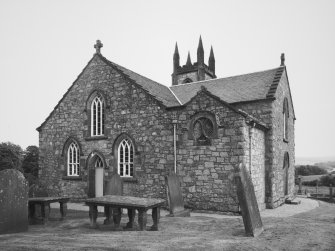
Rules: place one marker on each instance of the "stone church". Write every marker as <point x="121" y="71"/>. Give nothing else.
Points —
<point x="112" y="119"/>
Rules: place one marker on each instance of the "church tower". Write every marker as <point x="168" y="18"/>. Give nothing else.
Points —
<point x="197" y="71"/>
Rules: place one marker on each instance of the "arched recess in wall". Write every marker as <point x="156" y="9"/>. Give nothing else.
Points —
<point x="96" y="165"/>
<point x="124" y="152"/>
<point x="187" y="80"/>
<point x="203" y="128"/>
<point x="286" y="166"/>
<point x="286" y="115"/>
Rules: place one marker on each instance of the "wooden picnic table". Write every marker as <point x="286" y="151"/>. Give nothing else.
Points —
<point x="45" y="202"/>
<point x="113" y="205"/>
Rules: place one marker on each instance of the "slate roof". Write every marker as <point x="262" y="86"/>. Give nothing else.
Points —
<point x="161" y="92"/>
<point x="242" y="88"/>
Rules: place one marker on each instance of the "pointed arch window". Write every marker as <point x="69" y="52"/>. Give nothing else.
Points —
<point x="126" y="158"/>
<point x="73" y="160"/>
<point x="286" y="167"/>
<point x="285" y="119"/>
<point x="97" y="116"/>
<point x="99" y="163"/>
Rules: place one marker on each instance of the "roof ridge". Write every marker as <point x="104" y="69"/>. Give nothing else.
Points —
<point x="175" y="96"/>
<point x="147" y="84"/>
<point x="213" y="79"/>
<point x="275" y="82"/>
<point x="117" y="65"/>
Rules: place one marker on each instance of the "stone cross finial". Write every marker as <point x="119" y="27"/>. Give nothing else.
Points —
<point x="282" y="59"/>
<point x="98" y="46"/>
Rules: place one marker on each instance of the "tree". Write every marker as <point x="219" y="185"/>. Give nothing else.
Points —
<point x="309" y="170"/>
<point x="10" y="156"/>
<point x="30" y="161"/>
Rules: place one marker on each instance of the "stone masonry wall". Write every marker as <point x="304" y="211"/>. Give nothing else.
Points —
<point x="256" y="163"/>
<point x="280" y="146"/>
<point x="262" y="110"/>
<point x="207" y="171"/>
<point x="271" y="112"/>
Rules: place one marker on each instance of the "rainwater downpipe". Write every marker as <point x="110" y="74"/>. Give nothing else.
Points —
<point x="175" y="147"/>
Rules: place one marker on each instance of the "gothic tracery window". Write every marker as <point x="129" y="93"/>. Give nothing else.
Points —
<point x="73" y="160"/>
<point x="126" y="158"/>
<point x="97" y="116"/>
<point x="99" y="163"/>
<point x="203" y="131"/>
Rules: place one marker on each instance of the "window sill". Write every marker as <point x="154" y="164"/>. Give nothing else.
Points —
<point x="96" y="138"/>
<point x="129" y="179"/>
<point x="72" y="178"/>
<point x="285" y="140"/>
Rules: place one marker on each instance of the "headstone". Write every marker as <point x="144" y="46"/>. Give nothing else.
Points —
<point x="248" y="203"/>
<point x="13" y="202"/>
<point x="114" y="185"/>
<point x="175" y="197"/>
<point x="300" y="184"/>
<point x="331" y="198"/>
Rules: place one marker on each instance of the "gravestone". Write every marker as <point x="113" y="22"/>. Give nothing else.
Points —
<point x="13" y="202"/>
<point x="331" y="198"/>
<point x="114" y="186"/>
<point x="246" y="195"/>
<point x="175" y="197"/>
<point x="300" y="184"/>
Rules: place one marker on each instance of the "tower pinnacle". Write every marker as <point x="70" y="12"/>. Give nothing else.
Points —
<point x="211" y="61"/>
<point x="200" y="52"/>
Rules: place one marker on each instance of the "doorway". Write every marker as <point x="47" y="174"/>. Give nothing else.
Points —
<point x="96" y="176"/>
<point x="285" y="172"/>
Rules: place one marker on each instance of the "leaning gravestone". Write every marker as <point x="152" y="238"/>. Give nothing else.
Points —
<point x="13" y="202"/>
<point x="246" y="195"/>
<point x="175" y="197"/>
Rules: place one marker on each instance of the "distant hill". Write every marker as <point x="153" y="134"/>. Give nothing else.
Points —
<point x="329" y="166"/>
<point x="313" y="160"/>
<point x="327" y="163"/>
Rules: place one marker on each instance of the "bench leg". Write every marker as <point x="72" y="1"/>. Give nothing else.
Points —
<point x="142" y="219"/>
<point x="31" y="210"/>
<point x="45" y="211"/>
<point x="108" y="211"/>
<point x="131" y="216"/>
<point x="117" y="214"/>
<point x="93" y="213"/>
<point x="155" y="218"/>
<point x="63" y="209"/>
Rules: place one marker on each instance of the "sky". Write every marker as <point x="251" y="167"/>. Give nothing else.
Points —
<point x="45" y="44"/>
